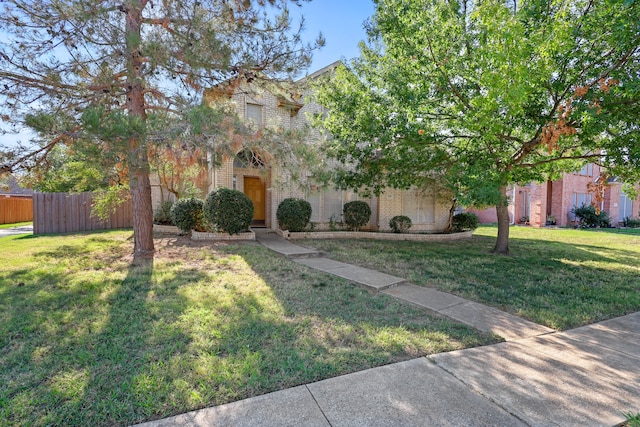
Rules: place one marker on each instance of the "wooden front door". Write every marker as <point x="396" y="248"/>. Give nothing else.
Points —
<point x="254" y="188"/>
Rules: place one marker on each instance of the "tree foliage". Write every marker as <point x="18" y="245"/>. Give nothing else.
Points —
<point x="124" y="75"/>
<point x="487" y="94"/>
<point x="67" y="171"/>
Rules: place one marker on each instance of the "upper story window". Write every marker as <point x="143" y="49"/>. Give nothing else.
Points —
<point x="587" y="170"/>
<point x="254" y="114"/>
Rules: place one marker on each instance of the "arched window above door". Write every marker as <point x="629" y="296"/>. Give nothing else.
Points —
<point x="248" y="159"/>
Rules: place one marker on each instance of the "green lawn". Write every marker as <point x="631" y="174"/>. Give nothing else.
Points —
<point x="88" y="339"/>
<point x="561" y="278"/>
<point x="16" y="224"/>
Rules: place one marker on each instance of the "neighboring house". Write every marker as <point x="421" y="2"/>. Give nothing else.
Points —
<point x="11" y="186"/>
<point x="535" y="203"/>
<point x="251" y="172"/>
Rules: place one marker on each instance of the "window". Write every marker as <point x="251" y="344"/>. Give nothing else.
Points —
<point x="580" y="199"/>
<point x="254" y="114"/>
<point x="587" y="170"/>
<point x="314" y="198"/>
<point x="325" y="204"/>
<point x="625" y="207"/>
<point x="247" y="159"/>
<point x="526" y="205"/>
<point x="419" y="207"/>
<point x="332" y="205"/>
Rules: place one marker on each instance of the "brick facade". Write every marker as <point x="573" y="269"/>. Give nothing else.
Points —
<point x="427" y="215"/>
<point x="539" y="201"/>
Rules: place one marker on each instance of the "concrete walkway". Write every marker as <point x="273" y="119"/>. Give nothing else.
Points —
<point x="486" y="319"/>
<point x="589" y="376"/>
<point x="25" y="229"/>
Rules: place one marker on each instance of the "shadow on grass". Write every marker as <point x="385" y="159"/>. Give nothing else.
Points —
<point x="100" y="340"/>
<point x="80" y="352"/>
<point x="558" y="280"/>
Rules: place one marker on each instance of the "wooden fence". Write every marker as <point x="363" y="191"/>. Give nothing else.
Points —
<point x="66" y="213"/>
<point x="15" y="208"/>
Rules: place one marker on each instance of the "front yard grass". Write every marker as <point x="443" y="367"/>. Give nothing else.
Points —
<point x="86" y="338"/>
<point x="560" y="278"/>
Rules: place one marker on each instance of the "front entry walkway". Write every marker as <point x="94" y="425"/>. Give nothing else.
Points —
<point x="486" y="319"/>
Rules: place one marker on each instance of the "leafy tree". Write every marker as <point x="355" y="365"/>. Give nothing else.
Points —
<point x="488" y="93"/>
<point x="122" y="74"/>
<point x="65" y="171"/>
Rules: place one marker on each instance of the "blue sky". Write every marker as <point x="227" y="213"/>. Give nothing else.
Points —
<point x="339" y="21"/>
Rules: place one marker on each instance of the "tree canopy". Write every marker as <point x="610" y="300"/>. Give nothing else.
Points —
<point x="487" y="93"/>
<point x="122" y="74"/>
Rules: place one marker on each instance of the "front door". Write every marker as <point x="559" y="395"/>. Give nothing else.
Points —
<point x="254" y="188"/>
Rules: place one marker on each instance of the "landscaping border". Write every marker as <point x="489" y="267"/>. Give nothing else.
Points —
<point x="374" y="235"/>
<point x="249" y="235"/>
<point x="172" y="229"/>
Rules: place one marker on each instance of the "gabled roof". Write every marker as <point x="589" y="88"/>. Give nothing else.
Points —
<point x="328" y="69"/>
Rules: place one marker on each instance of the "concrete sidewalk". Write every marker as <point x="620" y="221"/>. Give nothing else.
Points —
<point x="25" y="229"/>
<point x="588" y="376"/>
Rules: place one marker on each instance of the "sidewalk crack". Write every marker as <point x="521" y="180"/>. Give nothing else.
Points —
<point x="318" y="405"/>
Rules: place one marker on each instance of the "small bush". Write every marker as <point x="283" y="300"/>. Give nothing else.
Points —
<point x="587" y="217"/>
<point x="293" y="214"/>
<point x="228" y="210"/>
<point x="163" y="216"/>
<point x="356" y="214"/>
<point x="187" y="214"/>
<point x="630" y="222"/>
<point x="400" y="223"/>
<point x="465" y="221"/>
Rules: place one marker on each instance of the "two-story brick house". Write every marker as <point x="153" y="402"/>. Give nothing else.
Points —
<point x="535" y="203"/>
<point x="252" y="172"/>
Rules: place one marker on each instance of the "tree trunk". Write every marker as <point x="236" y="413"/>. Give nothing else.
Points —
<point x="502" y="242"/>
<point x="452" y="212"/>
<point x="140" y="188"/>
<point x="139" y="183"/>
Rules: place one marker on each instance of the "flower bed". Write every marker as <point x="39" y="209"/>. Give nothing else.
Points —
<point x="374" y="235"/>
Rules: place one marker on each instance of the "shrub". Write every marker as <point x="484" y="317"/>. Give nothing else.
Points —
<point x="187" y="214"/>
<point x="586" y="215"/>
<point x="293" y="214"/>
<point x="400" y="223"/>
<point x="163" y="216"/>
<point x="465" y="221"/>
<point x="630" y="222"/>
<point x="228" y="210"/>
<point x="356" y="214"/>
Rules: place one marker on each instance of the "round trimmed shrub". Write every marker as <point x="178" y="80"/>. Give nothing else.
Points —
<point x="228" y="210"/>
<point x="400" y="223"/>
<point x="465" y="221"/>
<point x="187" y="214"/>
<point x="293" y="214"/>
<point x="356" y="214"/>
